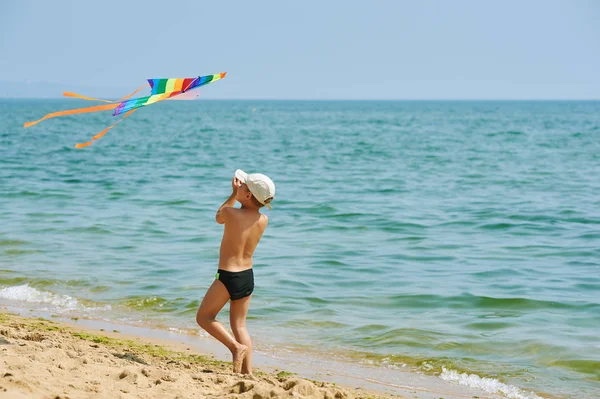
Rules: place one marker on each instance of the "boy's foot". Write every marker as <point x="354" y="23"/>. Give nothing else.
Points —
<point x="238" y="358"/>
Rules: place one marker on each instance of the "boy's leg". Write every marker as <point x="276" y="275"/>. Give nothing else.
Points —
<point x="237" y="318"/>
<point x="216" y="297"/>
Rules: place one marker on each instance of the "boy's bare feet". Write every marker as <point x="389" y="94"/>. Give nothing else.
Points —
<point x="238" y="358"/>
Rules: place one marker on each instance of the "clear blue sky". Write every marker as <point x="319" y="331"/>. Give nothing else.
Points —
<point x="459" y="49"/>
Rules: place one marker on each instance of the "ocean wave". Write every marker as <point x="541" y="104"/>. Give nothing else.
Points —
<point x="57" y="303"/>
<point x="490" y="385"/>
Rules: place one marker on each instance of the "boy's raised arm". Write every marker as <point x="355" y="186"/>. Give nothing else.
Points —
<point x="224" y="210"/>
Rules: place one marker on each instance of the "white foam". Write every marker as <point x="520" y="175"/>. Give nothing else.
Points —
<point x="490" y="385"/>
<point x="59" y="303"/>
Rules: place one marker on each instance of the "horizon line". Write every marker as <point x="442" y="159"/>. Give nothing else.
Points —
<point x="344" y="99"/>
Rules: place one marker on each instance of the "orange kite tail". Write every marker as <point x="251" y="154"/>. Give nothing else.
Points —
<point x="73" y="112"/>
<point x="102" y="133"/>
<point x="75" y="95"/>
<point x="111" y="105"/>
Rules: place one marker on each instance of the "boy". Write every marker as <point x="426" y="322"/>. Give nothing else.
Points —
<point x="235" y="279"/>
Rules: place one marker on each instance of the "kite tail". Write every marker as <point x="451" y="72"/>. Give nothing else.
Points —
<point x="75" y="95"/>
<point x="96" y="108"/>
<point x="73" y="112"/>
<point x="102" y="133"/>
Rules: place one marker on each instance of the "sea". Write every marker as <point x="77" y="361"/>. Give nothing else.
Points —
<point x="456" y="239"/>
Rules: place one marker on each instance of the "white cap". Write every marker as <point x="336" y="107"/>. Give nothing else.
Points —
<point x="259" y="185"/>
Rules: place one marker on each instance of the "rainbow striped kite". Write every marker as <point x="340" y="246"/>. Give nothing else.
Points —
<point x="162" y="89"/>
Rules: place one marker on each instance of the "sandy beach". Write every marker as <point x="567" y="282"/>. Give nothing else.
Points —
<point x="47" y="359"/>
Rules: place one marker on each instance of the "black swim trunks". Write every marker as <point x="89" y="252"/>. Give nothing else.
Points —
<point x="238" y="284"/>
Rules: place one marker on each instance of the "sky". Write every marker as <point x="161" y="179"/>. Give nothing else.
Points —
<point x="396" y="49"/>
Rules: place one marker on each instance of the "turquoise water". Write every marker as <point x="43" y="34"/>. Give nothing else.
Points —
<point x="424" y="235"/>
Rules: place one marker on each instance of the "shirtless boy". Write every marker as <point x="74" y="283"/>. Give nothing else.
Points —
<point x="235" y="279"/>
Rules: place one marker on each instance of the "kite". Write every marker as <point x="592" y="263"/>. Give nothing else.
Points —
<point x="162" y="89"/>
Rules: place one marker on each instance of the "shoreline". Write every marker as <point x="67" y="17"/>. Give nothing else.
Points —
<point x="319" y="378"/>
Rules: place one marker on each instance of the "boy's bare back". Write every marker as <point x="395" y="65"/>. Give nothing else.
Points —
<point x="243" y="230"/>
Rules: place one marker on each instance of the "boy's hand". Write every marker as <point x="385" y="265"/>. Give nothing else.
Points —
<point x="235" y="184"/>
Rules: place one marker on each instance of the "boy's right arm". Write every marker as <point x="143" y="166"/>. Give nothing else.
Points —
<point x="225" y="209"/>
